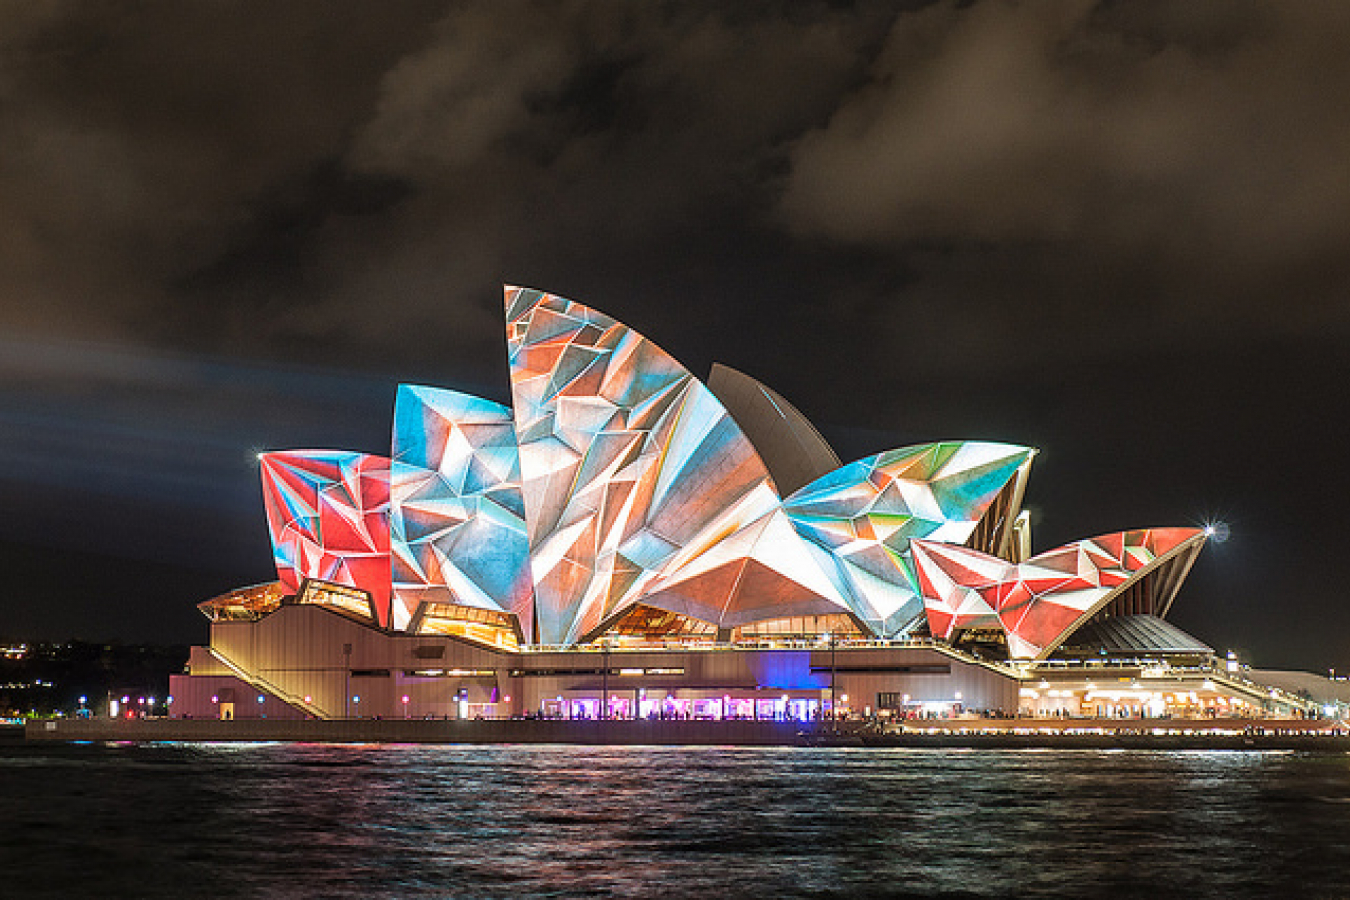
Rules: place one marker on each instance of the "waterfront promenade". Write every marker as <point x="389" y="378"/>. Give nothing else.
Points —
<point x="1235" y="734"/>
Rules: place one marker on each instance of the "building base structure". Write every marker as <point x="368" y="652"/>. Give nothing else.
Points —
<point x="307" y="661"/>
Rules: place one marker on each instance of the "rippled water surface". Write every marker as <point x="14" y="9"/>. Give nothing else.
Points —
<point x="286" y="820"/>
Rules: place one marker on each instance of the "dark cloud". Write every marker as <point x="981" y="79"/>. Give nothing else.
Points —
<point x="1112" y="230"/>
<point x="1117" y="172"/>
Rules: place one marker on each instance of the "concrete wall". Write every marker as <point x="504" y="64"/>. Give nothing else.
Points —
<point x="225" y="697"/>
<point x="309" y="651"/>
<point x="310" y="660"/>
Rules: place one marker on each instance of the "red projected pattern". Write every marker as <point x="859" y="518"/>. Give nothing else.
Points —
<point x="328" y="512"/>
<point x="1040" y="602"/>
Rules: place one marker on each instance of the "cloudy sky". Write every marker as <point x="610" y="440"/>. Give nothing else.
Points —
<point x="1118" y="232"/>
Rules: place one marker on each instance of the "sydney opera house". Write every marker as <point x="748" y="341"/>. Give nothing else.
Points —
<point x="627" y="541"/>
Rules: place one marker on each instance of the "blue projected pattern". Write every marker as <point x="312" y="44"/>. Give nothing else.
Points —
<point x="457" y="520"/>
<point x="859" y="519"/>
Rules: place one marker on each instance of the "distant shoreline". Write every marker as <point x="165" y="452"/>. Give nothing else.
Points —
<point x="955" y="735"/>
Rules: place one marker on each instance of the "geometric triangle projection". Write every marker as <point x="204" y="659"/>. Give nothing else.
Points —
<point x="457" y="519"/>
<point x="761" y="571"/>
<point x="865" y="514"/>
<point x="1040" y="602"/>
<point x="617" y="480"/>
<point x="625" y="458"/>
<point x="328" y="515"/>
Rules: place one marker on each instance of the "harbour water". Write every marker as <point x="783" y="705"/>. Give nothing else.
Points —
<point x="376" y="821"/>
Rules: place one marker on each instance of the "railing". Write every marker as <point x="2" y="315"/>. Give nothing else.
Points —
<point x="942" y="647"/>
<point x="1235" y="682"/>
<point x="263" y="684"/>
<point x="765" y="644"/>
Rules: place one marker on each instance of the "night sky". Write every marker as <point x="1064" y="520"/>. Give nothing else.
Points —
<point x="1117" y="232"/>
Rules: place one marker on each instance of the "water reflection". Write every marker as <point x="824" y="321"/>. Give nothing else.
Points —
<point x="279" y="820"/>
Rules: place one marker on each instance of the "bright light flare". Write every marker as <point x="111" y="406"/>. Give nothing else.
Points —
<point x="1217" y="531"/>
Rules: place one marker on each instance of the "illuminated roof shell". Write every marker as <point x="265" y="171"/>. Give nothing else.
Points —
<point x="1038" y="603"/>
<point x="860" y="519"/>
<point x="457" y="518"/>
<point x="328" y="514"/>
<point x="625" y="460"/>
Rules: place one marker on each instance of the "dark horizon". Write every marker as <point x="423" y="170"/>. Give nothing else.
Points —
<point x="1113" y="232"/>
